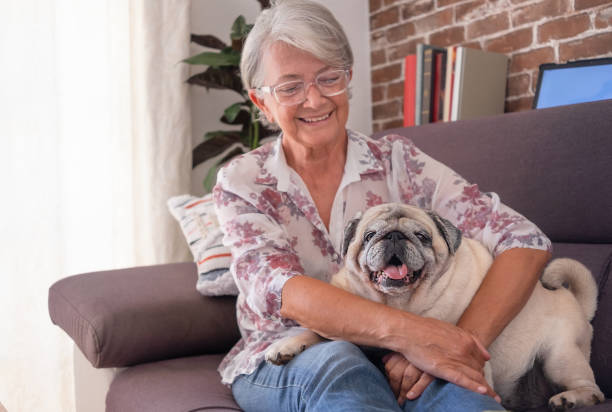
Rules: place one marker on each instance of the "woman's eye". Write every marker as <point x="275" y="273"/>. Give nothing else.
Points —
<point x="368" y="236"/>
<point x="329" y="79"/>
<point x="288" y="89"/>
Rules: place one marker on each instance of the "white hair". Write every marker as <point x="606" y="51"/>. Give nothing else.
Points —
<point x="303" y="24"/>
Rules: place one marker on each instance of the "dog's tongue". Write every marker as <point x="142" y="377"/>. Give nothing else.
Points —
<point x="396" y="272"/>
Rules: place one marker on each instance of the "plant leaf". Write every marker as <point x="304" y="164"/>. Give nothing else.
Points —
<point x="231" y="112"/>
<point x="214" y="59"/>
<point x="218" y="78"/>
<point x="264" y="4"/>
<point x="240" y="28"/>
<point x="243" y="117"/>
<point x="216" y="143"/>
<point x="208" y="40"/>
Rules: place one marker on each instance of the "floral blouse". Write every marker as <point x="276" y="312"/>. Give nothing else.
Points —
<point x="272" y="226"/>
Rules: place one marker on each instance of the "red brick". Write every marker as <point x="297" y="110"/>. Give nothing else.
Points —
<point x="443" y="3"/>
<point x="473" y="45"/>
<point x="469" y="11"/>
<point x="587" y="4"/>
<point x="376" y="127"/>
<point x="597" y="45"/>
<point x="519" y="85"/>
<point x="531" y="59"/>
<point x="563" y="28"/>
<point x="447" y="37"/>
<point x="519" y="105"/>
<point x="393" y="124"/>
<point x="375" y="5"/>
<point x="603" y="18"/>
<point x="534" y="12"/>
<point x="386" y="73"/>
<point x="416" y="8"/>
<point x="384" y="18"/>
<point x="378" y="57"/>
<point x="395" y="90"/>
<point x="386" y="110"/>
<point x="434" y="21"/>
<point x="378" y="93"/>
<point x="390" y="2"/>
<point x="378" y="40"/>
<point x="510" y="42"/>
<point x="488" y="25"/>
<point x="400" y="33"/>
<point x="402" y="50"/>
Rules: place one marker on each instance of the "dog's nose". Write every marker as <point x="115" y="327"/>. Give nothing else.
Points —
<point x="395" y="236"/>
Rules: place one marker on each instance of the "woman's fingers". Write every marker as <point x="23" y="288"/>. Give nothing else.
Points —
<point x="468" y="378"/>
<point x="412" y="375"/>
<point x="419" y="386"/>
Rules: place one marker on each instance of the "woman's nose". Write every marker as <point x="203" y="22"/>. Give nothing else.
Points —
<point x="313" y="95"/>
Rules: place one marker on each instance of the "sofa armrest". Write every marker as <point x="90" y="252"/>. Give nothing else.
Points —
<point x="143" y="314"/>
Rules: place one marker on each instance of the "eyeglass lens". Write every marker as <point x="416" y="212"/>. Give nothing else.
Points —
<point x="328" y="83"/>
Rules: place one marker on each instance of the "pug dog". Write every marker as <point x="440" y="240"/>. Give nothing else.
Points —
<point x="417" y="261"/>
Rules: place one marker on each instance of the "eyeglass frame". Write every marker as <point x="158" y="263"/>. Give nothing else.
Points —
<point x="271" y="89"/>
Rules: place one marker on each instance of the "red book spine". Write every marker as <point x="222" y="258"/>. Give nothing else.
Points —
<point x="409" y="89"/>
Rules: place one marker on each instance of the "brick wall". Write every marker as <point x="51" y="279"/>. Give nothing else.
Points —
<point x="530" y="32"/>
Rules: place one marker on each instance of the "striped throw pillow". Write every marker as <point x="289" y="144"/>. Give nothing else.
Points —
<point x="198" y="221"/>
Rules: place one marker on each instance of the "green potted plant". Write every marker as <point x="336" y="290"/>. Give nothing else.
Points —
<point x="223" y="72"/>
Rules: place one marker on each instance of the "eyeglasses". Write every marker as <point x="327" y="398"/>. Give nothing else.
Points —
<point x="329" y="83"/>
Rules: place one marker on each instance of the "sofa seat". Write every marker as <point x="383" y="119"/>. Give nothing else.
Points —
<point x="183" y="384"/>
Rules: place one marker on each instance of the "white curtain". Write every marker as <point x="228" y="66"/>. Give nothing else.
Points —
<point x="94" y="137"/>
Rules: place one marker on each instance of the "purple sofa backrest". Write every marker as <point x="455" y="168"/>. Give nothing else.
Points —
<point x="555" y="167"/>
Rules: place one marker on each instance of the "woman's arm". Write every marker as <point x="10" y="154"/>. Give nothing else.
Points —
<point x="439" y="348"/>
<point x="503" y="293"/>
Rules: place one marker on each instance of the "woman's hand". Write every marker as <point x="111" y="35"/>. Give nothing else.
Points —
<point x="448" y="352"/>
<point x="406" y="381"/>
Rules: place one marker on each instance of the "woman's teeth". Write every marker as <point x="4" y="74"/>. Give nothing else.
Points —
<point x="316" y="119"/>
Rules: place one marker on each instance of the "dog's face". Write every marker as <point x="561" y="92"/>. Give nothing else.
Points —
<point x="396" y="247"/>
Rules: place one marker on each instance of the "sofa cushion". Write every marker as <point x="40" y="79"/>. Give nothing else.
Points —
<point x="129" y="316"/>
<point x="198" y="220"/>
<point x="185" y="384"/>
<point x="551" y="165"/>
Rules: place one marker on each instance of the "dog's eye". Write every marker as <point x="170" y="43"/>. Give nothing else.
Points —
<point x="423" y="237"/>
<point x="368" y="236"/>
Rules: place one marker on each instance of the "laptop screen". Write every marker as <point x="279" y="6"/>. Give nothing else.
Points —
<point x="574" y="82"/>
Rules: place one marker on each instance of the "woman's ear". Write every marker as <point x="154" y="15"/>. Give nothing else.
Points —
<point x="261" y="105"/>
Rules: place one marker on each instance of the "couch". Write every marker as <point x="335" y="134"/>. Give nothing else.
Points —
<point x="146" y="340"/>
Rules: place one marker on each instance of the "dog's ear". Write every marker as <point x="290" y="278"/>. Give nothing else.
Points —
<point x="450" y="233"/>
<point x="349" y="233"/>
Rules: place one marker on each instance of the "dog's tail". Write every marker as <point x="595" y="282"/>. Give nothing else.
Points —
<point x="570" y="273"/>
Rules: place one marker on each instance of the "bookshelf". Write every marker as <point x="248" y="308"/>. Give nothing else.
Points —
<point x="453" y="83"/>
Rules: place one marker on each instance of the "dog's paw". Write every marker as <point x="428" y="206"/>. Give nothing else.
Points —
<point x="575" y="398"/>
<point x="281" y="352"/>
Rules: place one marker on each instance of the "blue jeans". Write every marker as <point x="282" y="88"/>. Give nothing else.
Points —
<point x="337" y="376"/>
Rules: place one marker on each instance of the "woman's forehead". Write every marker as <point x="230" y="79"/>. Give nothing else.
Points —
<point x="283" y="62"/>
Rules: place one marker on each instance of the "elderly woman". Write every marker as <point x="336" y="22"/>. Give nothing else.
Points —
<point x="283" y="208"/>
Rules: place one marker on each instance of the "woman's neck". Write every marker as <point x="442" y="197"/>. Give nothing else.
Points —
<point x="310" y="161"/>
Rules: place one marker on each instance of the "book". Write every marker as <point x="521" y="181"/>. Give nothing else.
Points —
<point x="409" y="89"/>
<point x="479" y="86"/>
<point x="439" y="84"/>
<point x="428" y="67"/>
<point x="420" y="55"/>
<point x="450" y="78"/>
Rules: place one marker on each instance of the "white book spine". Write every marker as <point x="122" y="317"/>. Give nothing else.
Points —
<point x="455" y="112"/>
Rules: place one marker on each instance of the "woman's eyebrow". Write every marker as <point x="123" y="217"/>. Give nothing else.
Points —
<point x="291" y="76"/>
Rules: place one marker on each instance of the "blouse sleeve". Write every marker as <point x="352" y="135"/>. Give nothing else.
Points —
<point x="480" y="216"/>
<point x="263" y="258"/>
